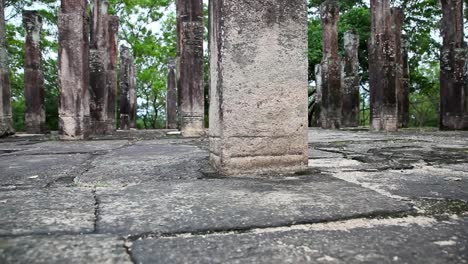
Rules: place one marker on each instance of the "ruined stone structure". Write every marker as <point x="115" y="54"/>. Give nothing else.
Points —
<point x="190" y="46"/>
<point x="382" y="68"/>
<point x="398" y="18"/>
<point x="128" y="98"/>
<point x="74" y="69"/>
<point x="6" y="123"/>
<point x="453" y="115"/>
<point x="403" y="93"/>
<point x="318" y="95"/>
<point x="331" y="66"/>
<point x="33" y="76"/>
<point x="171" y="97"/>
<point x="112" y="74"/>
<point x="350" y="80"/>
<point x="258" y="122"/>
<point x="99" y="62"/>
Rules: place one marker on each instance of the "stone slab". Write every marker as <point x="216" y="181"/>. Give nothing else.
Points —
<point x="63" y="249"/>
<point x="43" y="211"/>
<point x="244" y="203"/>
<point x="411" y="240"/>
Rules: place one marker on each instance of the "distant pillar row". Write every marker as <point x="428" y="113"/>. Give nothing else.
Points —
<point x="6" y="122"/>
<point x="128" y="99"/>
<point x="74" y="112"/>
<point x="33" y="75"/>
<point x="453" y="90"/>
<point x="350" y="80"/>
<point x="190" y="53"/>
<point x="331" y="66"/>
<point x="171" y="97"/>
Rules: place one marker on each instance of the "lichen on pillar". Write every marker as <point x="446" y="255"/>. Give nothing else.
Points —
<point x="259" y="96"/>
<point x="190" y="30"/>
<point x="350" y="80"/>
<point x="74" y="112"/>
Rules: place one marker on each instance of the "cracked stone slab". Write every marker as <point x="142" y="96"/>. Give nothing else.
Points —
<point x="421" y="182"/>
<point x="63" y="249"/>
<point x="146" y="162"/>
<point x="226" y="204"/>
<point x="39" y="170"/>
<point x="43" y="211"/>
<point x="410" y="240"/>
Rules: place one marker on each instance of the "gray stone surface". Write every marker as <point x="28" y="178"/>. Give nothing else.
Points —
<point x="227" y="204"/>
<point x="413" y="240"/>
<point x="63" y="249"/>
<point x="62" y="210"/>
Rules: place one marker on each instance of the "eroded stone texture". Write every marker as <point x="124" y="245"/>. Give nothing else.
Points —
<point x="112" y="75"/>
<point x="99" y="62"/>
<point x="6" y="123"/>
<point x="171" y="97"/>
<point x="331" y="66"/>
<point x="350" y="80"/>
<point x="403" y="93"/>
<point x="33" y="76"/>
<point x="190" y="41"/>
<point x="452" y="61"/>
<point x="382" y="68"/>
<point x="128" y="98"/>
<point x="74" y="69"/>
<point x="258" y="108"/>
<point x="398" y="18"/>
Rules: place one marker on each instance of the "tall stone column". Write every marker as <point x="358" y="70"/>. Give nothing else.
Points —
<point x="99" y="62"/>
<point x="128" y="98"/>
<point x="171" y="97"/>
<point x="190" y="40"/>
<point x="33" y="76"/>
<point x="382" y="68"/>
<point x="350" y="80"/>
<point x="452" y="62"/>
<point x="74" y="69"/>
<point x="112" y="75"/>
<point x="403" y="94"/>
<point x="258" y="70"/>
<point x="318" y="95"/>
<point x="331" y="66"/>
<point x="6" y="122"/>
<point x="398" y="19"/>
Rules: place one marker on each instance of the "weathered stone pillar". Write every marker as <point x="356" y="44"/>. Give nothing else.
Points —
<point x="6" y="122"/>
<point x="74" y="69"/>
<point x="33" y="76"/>
<point x="258" y="110"/>
<point x="318" y="95"/>
<point x="452" y="62"/>
<point x="403" y="94"/>
<point x="350" y="80"/>
<point x="128" y="98"/>
<point x="171" y="97"/>
<point x="190" y="40"/>
<point x="398" y="19"/>
<point x="99" y="62"/>
<point x="331" y="66"/>
<point x="112" y="79"/>
<point x="382" y="68"/>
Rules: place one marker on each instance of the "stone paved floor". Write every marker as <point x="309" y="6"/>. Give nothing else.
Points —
<point x="143" y="198"/>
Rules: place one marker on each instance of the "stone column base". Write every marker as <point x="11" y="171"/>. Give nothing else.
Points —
<point x="74" y="128"/>
<point x="193" y="126"/>
<point x="6" y="127"/>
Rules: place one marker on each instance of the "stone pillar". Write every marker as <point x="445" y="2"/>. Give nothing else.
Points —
<point x="350" y="80"/>
<point x="403" y="94"/>
<point x="171" y="97"/>
<point x="6" y="122"/>
<point x="190" y="40"/>
<point x="33" y="76"/>
<point x="128" y="90"/>
<point x="398" y="19"/>
<point x="382" y="69"/>
<point x="452" y="62"/>
<point x="112" y="75"/>
<point x="99" y="62"/>
<point x="258" y="70"/>
<point x="318" y="95"/>
<point x="74" y="69"/>
<point x="331" y="66"/>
